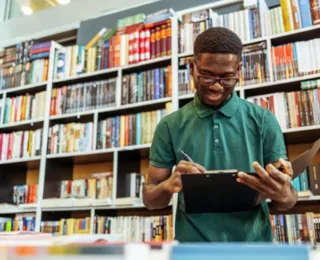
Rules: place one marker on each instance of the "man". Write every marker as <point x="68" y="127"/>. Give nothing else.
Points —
<point x="218" y="130"/>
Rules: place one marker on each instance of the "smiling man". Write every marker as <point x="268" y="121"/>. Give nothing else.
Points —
<point x="219" y="130"/>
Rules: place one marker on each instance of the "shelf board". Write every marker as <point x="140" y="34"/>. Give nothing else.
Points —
<point x="21" y="123"/>
<point x="303" y="134"/>
<point x="72" y="115"/>
<point x="134" y="147"/>
<point x="15" y="210"/>
<point x="24" y="88"/>
<point x="136" y="105"/>
<point x="76" y="154"/>
<point x="86" y="75"/>
<point x="186" y="96"/>
<point x="298" y="31"/>
<point x="148" y="62"/>
<point x="54" y="209"/>
<point x="280" y="82"/>
<point x="20" y="160"/>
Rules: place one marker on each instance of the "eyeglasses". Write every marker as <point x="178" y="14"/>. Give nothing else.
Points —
<point x="206" y="80"/>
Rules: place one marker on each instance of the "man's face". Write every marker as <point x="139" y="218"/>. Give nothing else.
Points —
<point x="209" y="67"/>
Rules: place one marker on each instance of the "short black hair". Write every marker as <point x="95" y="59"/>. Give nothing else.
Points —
<point x="218" y="40"/>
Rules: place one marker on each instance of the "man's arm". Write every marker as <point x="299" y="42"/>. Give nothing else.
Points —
<point x="155" y="196"/>
<point x="161" y="184"/>
<point x="273" y="184"/>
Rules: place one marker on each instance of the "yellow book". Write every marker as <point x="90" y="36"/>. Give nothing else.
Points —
<point x="287" y="15"/>
<point x="96" y="38"/>
<point x="122" y="130"/>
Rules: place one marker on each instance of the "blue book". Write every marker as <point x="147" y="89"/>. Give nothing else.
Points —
<point x="305" y="13"/>
<point x="304" y="180"/>
<point x="138" y="128"/>
<point x="157" y="83"/>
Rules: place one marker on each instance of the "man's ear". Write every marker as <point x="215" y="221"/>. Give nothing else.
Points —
<point x="191" y="64"/>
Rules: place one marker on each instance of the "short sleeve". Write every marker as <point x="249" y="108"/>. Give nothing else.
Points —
<point x="274" y="146"/>
<point x="161" y="152"/>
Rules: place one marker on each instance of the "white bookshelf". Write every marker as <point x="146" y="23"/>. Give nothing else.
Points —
<point x="25" y="88"/>
<point x="44" y="158"/>
<point x="20" y="160"/>
<point x="86" y="75"/>
<point x="30" y="122"/>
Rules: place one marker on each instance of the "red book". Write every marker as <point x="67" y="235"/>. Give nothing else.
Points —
<point x="158" y="42"/>
<point x="142" y="37"/>
<point x="136" y="47"/>
<point x="130" y="48"/>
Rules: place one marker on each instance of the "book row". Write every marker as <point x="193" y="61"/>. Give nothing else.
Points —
<point x="26" y="63"/>
<point x="296" y="229"/>
<point x="300" y="14"/>
<point x="131" y="228"/>
<point x="83" y="97"/>
<point x="125" y="130"/>
<point x="72" y="137"/>
<point x="296" y="59"/>
<point x="25" y="194"/>
<point x="66" y="227"/>
<point x="292" y="109"/>
<point x="99" y="187"/>
<point x="25" y="107"/>
<point x="245" y="23"/>
<point x="135" y="228"/>
<point x="147" y="85"/>
<point x="129" y="43"/>
<point x="21" y="144"/>
<point x="21" y="222"/>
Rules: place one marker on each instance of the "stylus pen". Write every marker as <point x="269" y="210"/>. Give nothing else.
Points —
<point x="187" y="157"/>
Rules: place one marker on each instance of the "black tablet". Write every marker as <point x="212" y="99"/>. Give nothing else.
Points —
<point x="217" y="192"/>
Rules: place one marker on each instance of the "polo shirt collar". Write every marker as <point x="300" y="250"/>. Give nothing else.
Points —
<point x="228" y="109"/>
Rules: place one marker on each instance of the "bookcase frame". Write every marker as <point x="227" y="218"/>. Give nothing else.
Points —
<point x="175" y="99"/>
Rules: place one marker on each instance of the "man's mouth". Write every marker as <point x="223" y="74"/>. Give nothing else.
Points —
<point x="215" y="94"/>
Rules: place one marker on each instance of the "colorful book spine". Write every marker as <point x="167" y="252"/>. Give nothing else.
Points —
<point x="136" y="228"/>
<point x="21" y="144"/>
<point x="83" y="97"/>
<point x="126" y="130"/>
<point x="72" y="137"/>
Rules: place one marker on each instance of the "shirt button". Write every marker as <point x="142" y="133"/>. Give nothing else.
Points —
<point x="216" y="126"/>
<point x="217" y="140"/>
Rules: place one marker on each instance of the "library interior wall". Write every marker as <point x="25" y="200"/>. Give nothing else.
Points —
<point x="89" y="28"/>
<point x="54" y="20"/>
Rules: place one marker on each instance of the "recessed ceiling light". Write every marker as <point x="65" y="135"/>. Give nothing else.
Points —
<point x="64" y="2"/>
<point x="27" y="10"/>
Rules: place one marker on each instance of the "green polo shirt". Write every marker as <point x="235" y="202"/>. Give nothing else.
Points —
<point x="233" y="137"/>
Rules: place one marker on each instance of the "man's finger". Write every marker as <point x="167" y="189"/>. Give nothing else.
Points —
<point x="277" y="175"/>
<point x="253" y="182"/>
<point x="265" y="176"/>
<point x="287" y="167"/>
<point x="187" y="169"/>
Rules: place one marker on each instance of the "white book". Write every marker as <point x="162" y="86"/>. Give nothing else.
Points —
<point x="25" y="144"/>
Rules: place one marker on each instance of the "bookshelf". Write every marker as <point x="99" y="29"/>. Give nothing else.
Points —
<point x="48" y="169"/>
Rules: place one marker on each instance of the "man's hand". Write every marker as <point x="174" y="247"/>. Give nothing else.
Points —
<point x="272" y="184"/>
<point x="173" y="184"/>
